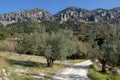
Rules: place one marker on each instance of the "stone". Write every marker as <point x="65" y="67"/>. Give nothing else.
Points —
<point x="5" y="74"/>
<point x="8" y="73"/>
<point x="3" y="70"/>
<point x="5" y="78"/>
<point x="116" y="71"/>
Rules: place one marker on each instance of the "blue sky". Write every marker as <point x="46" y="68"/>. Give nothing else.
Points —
<point x="53" y="6"/>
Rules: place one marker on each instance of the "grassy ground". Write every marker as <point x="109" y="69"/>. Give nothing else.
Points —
<point x="95" y="75"/>
<point x="29" y="67"/>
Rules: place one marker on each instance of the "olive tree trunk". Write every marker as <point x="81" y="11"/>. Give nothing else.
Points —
<point x="103" y="62"/>
<point x="50" y="62"/>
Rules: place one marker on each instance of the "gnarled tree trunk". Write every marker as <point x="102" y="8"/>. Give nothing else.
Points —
<point x="103" y="62"/>
<point x="50" y="62"/>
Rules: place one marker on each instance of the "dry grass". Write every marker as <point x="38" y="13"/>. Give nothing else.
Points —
<point x="14" y="56"/>
<point x="31" y="65"/>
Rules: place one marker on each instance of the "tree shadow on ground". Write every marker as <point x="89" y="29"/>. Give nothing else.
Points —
<point x="26" y="63"/>
<point x="78" y="67"/>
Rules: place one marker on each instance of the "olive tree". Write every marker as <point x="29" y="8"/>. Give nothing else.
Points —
<point x="54" y="46"/>
<point x="57" y="46"/>
<point x="105" y="47"/>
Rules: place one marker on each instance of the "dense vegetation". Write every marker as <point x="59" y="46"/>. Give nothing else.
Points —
<point x="69" y="40"/>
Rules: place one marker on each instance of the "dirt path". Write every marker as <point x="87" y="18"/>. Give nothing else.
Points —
<point x="75" y="72"/>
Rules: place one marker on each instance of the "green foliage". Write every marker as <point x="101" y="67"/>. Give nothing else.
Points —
<point x="3" y="46"/>
<point x="21" y="77"/>
<point x="59" y="45"/>
<point x="105" y="46"/>
<point x="23" y="27"/>
<point x="42" y="38"/>
<point x="81" y="50"/>
<point x="4" y="33"/>
<point x="51" y="26"/>
<point x="52" y="46"/>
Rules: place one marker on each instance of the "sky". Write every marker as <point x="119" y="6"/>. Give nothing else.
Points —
<point x="53" y="6"/>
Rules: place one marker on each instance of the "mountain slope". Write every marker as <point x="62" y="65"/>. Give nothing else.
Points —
<point x="74" y="14"/>
<point x="39" y="14"/>
<point x="82" y="15"/>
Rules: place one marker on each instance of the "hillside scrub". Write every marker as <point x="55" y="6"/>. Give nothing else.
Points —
<point x="51" y="39"/>
<point x="52" y="30"/>
<point x="6" y="45"/>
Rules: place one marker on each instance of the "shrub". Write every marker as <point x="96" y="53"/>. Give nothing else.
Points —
<point x="7" y="46"/>
<point x="3" y="46"/>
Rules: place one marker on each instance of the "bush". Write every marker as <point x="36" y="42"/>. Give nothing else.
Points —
<point x="3" y="46"/>
<point x="7" y="46"/>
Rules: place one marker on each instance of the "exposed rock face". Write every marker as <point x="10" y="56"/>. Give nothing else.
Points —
<point x="99" y="15"/>
<point x="39" y="14"/>
<point x="73" y="14"/>
<point x="82" y="15"/>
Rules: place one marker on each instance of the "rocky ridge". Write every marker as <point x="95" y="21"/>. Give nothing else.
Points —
<point x="75" y="14"/>
<point x="39" y="14"/>
<point x="83" y="15"/>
